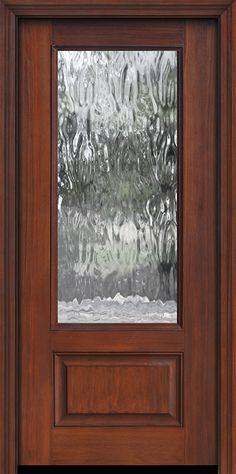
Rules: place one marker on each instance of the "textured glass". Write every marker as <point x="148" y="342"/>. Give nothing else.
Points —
<point x="117" y="186"/>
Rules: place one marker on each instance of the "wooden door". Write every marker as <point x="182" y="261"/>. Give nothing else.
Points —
<point x="124" y="393"/>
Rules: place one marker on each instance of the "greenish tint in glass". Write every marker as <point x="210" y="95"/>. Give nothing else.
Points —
<point x="117" y="186"/>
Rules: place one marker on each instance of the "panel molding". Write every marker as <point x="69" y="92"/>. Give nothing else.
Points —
<point x="8" y="243"/>
<point x="10" y="12"/>
<point x="113" y="365"/>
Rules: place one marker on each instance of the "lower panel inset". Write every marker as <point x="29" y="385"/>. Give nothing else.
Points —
<point x="117" y="389"/>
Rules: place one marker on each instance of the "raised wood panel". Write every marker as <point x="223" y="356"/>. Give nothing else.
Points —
<point x="118" y="389"/>
<point x="8" y="317"/>
<point x="114" y="389"/>
<point x="74" y="442"/>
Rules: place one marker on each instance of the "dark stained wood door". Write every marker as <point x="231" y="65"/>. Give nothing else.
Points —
<point x="118" y="394"/>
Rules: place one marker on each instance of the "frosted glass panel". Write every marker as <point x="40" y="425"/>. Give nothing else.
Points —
<point x="117" y="186"/>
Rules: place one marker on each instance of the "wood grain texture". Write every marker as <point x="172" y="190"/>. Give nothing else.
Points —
<point x="116" y="390"/>
<point x="36" y="8"/>
<point x="103" y="33"/>
<point x="226" y="447"/>
<point x="40" y="341"/>
<point x="130" y="447"/>
<point x="117" y="341"/>
<point x="152" y="8"/>
<point x="121" y="386"/>
<point x="34" y="241"/>
<point x="110" y="390"/>
<point x="200" y="241"/>
<point x="8" y="241"/>
<point x="197" y="339"/>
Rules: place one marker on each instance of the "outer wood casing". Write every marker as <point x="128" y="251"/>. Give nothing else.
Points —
<point x="11" y="11"/>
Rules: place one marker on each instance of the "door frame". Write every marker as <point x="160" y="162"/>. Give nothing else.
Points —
<point x="224" y="11"/>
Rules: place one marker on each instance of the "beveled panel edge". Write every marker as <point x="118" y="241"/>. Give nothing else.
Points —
<point x="61" y="418"/>
<point x="8" y="456"/>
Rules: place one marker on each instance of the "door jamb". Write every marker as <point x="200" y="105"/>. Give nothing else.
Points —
<point x="10" y="13"/>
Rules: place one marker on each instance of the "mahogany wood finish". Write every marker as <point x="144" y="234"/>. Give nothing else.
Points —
<point x="232" y="228"/>
<point x="138" y="33"/>
<point x="37" y="390"/>
<point x="34" y="176"/>
<point x="199" y="229"/>
<point x="68" y="443"/>
<point x="195" y="384"/>
<point x="11" y="12"/>
<point x="111" y="8"/>
<point x="112" y="390"/>
<point x="121" y="341"/>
